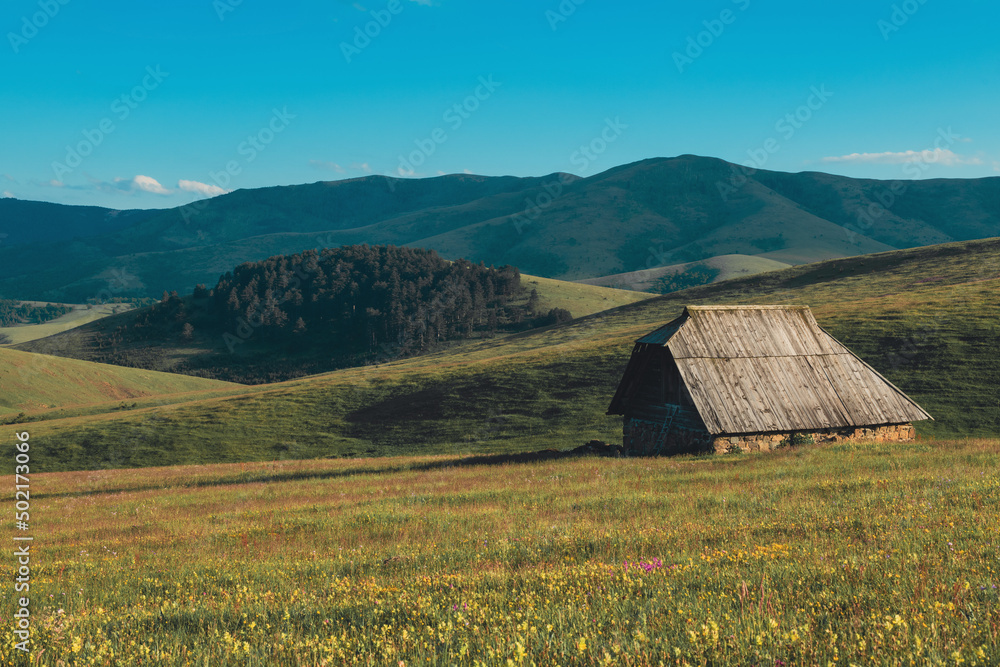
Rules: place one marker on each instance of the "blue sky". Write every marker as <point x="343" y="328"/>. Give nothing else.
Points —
<point x="136" y="105"/>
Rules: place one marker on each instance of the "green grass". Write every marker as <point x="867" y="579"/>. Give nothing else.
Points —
<point x="80" y="315"/>
<point x="579" y="299"/>
<point x="34" y="383"/>
<point x="863" y="554"/>
<point x="729" y="266"/>
<point x="925" y="318"/>
<point x="257" y="358"/>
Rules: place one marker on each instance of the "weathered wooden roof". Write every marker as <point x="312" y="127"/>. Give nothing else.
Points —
<point x="752" y="369"/>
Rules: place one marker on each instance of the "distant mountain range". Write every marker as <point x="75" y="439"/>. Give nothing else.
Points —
<point x="657" y="212"/>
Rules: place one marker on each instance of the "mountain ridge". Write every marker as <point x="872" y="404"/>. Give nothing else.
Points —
<point x="652" y="213"/>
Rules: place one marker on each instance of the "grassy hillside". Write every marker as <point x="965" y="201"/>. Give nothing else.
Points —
<point x="926" y="318"/>
<point x="860" y="554"/>
<point x="579" y="299"/>
<point x="80" y="315"/>
<point x="34" y="382"/>
<point x="207" y="351"/>
<point x="658" y="212"/>
<point x="726" y="266"/>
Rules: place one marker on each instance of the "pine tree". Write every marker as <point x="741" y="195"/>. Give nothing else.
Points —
<point x="533" y="301"/>
<point x="233" y="304"/>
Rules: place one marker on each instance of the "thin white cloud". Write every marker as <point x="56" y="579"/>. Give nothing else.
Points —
<point x="327" y="166"/>
<point x="201" y="188"/>
<point x="7" y="194"/>
<point x="138" y="183"/>
<point x="941" y="156"/>
<point x="10" y="178"/>
<point x="54" y="183"/>
<point x="466" y="171"/>
<point x="148" y="184"/>
<point x="364" y="166"/>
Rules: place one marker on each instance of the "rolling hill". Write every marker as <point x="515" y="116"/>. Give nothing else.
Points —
<point x="79" y="315"/>
<point x="926" y="318"/>
<point x="724" y="267"/>
<point x="658" y="212"/>
<point x="35" y="382"/>
<point x="348" y="320"/>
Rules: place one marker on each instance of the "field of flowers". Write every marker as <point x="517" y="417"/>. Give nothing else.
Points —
<point x="863" y="554"/>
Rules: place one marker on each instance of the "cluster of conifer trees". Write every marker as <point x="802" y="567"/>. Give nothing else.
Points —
<point x="18" y="312"/>
<point x="315" y="311"/>
<point x="372" y="297"/>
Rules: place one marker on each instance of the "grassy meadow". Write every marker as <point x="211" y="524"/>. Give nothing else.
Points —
<point x="728" y="266"/>
<point x="80" y="315"/>
<point x="925" y="318"/>
<point x="580" y="299"/>
<point x="131" y="339"/>
<point x="59" y="387"/>
<point x="847" y="554"/>
<point x="271" y="535"/>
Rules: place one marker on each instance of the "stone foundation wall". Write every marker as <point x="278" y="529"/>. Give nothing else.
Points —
<point x="767" y="442"/>
<point x="642" y="437"/>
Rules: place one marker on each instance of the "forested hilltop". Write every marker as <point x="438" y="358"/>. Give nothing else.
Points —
<point x="367" y="297"/>
<point x="313" y="311"/>
<point x="18" y="312"/>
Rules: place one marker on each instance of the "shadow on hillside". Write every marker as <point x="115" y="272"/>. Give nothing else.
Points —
<point x="268" y="477"/>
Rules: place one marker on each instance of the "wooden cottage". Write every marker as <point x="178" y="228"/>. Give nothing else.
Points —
<point x="720" y="378"/>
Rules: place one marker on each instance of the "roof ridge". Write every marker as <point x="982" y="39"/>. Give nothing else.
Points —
<point x="747" y="307"/>
<point x="846" y="353"/>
